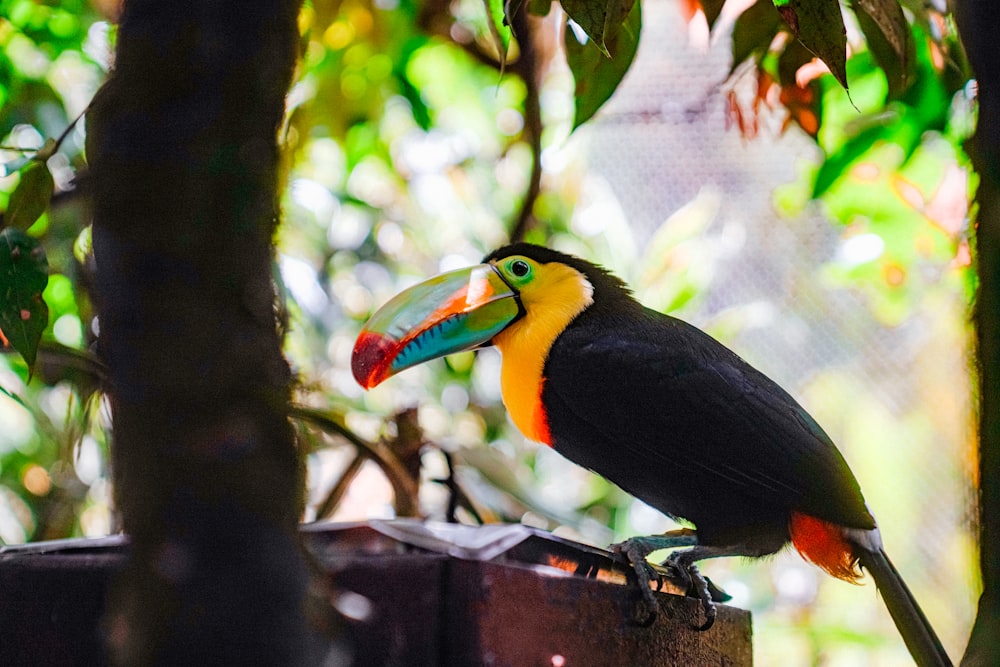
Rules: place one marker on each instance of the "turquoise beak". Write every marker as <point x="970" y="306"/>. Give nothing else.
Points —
<point x="451" y="312"/>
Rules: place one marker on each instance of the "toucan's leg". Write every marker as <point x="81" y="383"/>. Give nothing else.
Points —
<point x="684" y="563"/>
<point x="697" y="584"/>
<point x="636" y="549"/>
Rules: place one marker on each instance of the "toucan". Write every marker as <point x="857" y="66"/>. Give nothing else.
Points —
<point x="654" y="405"/>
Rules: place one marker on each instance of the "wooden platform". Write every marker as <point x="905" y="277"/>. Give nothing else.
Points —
<point x="417" y="593"/>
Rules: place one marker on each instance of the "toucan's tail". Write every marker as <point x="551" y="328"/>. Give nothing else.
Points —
<point x="918" y="635"/>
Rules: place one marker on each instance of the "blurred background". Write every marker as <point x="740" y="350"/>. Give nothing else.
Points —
<point x="410" y="151"/>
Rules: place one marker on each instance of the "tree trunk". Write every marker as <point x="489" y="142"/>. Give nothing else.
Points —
<point x="182" y="144"/>
<point x="977" y="21"/>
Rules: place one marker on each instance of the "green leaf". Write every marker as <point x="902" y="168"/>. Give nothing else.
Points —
<point x="712" y="9"/>
<point x="24" y="273"/>
<point x="918" y="8"/>
<point x="618" y="13"/>
<point x="83" y="246"/>
<point x="31" y="196"/>
<point x="499" y="30"/>
<point x="836" y="166"/>
<point x="791" y="59"/>
<point x="754" y="31"/>
<point x="539" y="7"/>
<point x="600" y="19"/>
<point x="819" y="25"/>
<point x="411" y="89"/>
<point x="14" y="397"/>
<point x="510" y="9"/>
<point x="596" y="76"/>
<point x="888" y="35"/>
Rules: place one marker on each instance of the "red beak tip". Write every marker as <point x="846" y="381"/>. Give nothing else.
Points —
<point x="370" y="360"/>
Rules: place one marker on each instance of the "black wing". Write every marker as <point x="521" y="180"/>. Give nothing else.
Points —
<point x="676" y="418"/>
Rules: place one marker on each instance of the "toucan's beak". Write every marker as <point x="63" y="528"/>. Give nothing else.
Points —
<point x="454" y="311"/>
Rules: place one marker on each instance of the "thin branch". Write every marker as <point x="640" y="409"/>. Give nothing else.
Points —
<point x="526" y="66"/>
<point x="47" y="149"/>
<point x="69" y="128"/>
<point x="456" y="496"/>
<point x="339" y="489"/>
<point x="435" y="19"/>
<point x="404" y="487"/>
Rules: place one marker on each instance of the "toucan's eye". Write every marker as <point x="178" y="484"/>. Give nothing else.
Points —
<point x="517" y="270"/>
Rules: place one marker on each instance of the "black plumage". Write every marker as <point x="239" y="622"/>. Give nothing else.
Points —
<point x="658" y="407"/>
<point x="677" y="419"/>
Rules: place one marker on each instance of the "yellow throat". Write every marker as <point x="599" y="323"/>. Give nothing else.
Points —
<point x="557" y="295"/>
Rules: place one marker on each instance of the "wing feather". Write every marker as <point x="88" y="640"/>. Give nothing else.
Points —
<point x="665" y="392"/>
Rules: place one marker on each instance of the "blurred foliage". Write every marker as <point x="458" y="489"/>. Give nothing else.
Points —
<point x="53" y="442"/>
<point x="418" y="137"/>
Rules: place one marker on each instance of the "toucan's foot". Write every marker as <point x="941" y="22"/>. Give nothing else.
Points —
<point x="697" y="586"/>
<point x="635" y="551"/>
<point x="681" y="565"/>
<point x="700" y="586"/>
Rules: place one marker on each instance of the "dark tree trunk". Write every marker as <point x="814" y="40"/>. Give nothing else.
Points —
<point x="182" y="143"/>
<point x="978" y="21"/>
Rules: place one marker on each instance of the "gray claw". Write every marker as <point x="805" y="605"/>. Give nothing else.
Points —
<point x="700" y="586"/>
<point x="635" y="552"/>
<point x="697" y="584"/>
